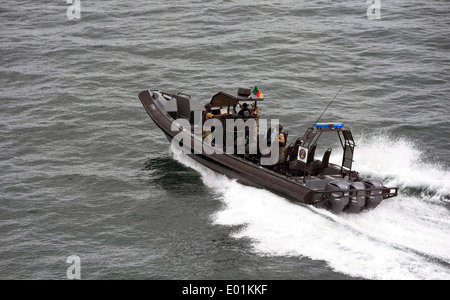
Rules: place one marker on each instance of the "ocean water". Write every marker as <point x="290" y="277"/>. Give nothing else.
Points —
<point x="85" y="172"/>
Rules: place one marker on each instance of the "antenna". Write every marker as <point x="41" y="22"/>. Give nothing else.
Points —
<point x="329" y="105"/>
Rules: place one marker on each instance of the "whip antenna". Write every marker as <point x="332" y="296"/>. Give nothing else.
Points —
<point x="329" y="105"/>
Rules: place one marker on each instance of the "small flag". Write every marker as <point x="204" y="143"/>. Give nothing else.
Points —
<point x="258" y="93"/>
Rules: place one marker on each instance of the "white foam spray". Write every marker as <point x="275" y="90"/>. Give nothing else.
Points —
<point x="401" y="162"/>
<point x="406" y="237"/>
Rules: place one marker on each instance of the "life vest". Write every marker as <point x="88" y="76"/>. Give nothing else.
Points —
<point x="204" y="118"/>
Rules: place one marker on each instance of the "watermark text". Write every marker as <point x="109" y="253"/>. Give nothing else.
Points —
<point x="74" y="11"/>
<point x="74" y="271"/>
<point x="374" y="10"/>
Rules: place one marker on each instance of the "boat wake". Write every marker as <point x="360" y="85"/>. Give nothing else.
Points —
<point x="405" y="237"/>
<point x="402" y="163"/>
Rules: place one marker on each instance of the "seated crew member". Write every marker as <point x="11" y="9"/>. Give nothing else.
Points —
<point x="207" y="114"/>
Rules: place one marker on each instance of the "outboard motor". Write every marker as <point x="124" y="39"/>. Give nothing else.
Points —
<point x="358" y="199"/>
<point x="340" y="199"/>
<point x="375" y="197"/>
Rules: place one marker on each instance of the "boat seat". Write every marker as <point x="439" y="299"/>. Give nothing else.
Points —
<point x="299" y="166"/>
<point x="311" y="153"/>
<point x="291" y="160"/>
<point x="286" y="134"/>
<point x="297" y="145"/>
<point x="318" y="167"/>
<point x="289" y="153"/>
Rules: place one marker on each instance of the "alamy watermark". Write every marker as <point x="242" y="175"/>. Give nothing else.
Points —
<point x="74" y="11"/>
<point x="374" y="10"/>
<point x="232" y="136"/>
<point x="74" y="271"/>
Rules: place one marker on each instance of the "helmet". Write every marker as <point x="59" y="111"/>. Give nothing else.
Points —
<point x="208" y="105"/>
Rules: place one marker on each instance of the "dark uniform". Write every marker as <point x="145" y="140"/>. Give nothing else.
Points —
<point x="245" y="112"/>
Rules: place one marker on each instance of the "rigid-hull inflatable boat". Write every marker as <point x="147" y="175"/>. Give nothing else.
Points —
<point x="297" y="175"/>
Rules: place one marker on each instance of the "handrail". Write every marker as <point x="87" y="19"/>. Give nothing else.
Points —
<point x="189" y="96"/>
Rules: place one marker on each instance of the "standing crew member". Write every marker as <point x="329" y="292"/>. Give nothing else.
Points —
<point x="245" y="112"/>
<point x="282" y="141"/>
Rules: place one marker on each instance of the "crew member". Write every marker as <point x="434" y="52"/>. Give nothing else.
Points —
<point x="207" y="114"/>
<point x="256" y="111"/>
<point x="245" y="113"/>
<point x="281" y="141"/>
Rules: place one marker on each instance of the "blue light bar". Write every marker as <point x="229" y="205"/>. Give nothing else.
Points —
<point x="329" y="125"/>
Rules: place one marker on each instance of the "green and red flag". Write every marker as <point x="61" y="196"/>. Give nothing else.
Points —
<point x="258" y="93"/>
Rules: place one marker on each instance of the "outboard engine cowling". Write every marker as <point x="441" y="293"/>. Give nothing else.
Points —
<point x="358" y="199"/>
<point x="340" y="199"/>
<point x="375" y="197"/>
